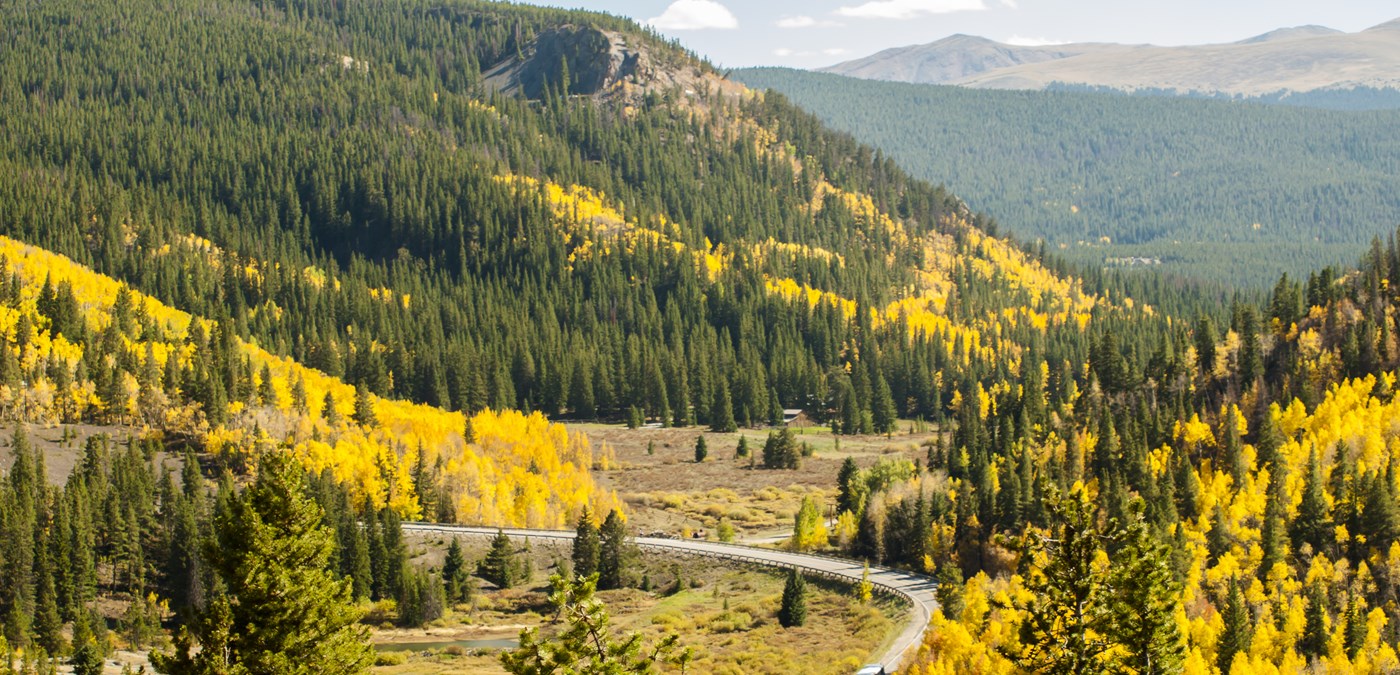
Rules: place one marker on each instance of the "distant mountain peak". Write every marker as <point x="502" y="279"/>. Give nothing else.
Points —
<point x="1393" y="24"/>
<point x="1293" y="33"/>
<point x="949" y="59"/>
<point x="1292" y="59"/>
<point x="964" y="37"/>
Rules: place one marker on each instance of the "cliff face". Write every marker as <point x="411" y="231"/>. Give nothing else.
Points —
<point x="599" y="63"/>
<point x="594" y="60"/>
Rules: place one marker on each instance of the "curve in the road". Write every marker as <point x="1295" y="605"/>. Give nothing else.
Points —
<point x="916" y="588"/>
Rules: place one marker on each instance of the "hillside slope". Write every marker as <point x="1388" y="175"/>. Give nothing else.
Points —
<point x="642" y="239"/>
<point x="1204" y="189"/>
<point x="1270" y="497"/>
<point x="80" y="346"/>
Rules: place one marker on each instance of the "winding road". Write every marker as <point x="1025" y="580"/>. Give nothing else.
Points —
<point x="916" y="588"/>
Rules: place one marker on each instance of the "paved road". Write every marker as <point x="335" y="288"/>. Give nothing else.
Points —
<point x="775" y="536"/>
<point x="916" y="588"/>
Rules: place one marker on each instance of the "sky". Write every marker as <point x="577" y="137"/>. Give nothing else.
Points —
<point x="814" y="33"/>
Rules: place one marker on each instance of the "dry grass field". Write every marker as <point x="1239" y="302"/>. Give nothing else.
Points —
<point x="728" y="614"/>
<point x="666" y="490"/>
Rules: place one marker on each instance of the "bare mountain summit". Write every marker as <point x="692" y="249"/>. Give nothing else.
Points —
<point x="951" y="59"/>
<point x="1299" y="59"/>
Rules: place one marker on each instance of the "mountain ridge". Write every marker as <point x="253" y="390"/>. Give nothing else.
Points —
<point x="1294" y="59"/>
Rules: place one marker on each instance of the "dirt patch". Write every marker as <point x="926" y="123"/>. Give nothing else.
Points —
<point x="63" y="447"/>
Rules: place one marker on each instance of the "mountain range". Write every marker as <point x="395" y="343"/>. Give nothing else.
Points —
<point x="1298" y="59"/>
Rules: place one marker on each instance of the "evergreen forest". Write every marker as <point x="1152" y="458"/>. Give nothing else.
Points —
<point x="303" y="272"/>
<point x="1232" y="192"/>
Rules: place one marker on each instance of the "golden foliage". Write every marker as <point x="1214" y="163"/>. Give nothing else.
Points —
<point x="522" y="471"/>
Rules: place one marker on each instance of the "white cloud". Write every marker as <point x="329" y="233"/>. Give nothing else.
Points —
<point x="783" y="52"/>
<point x="908" y="9"/>
<point x="694" y="15"/>
<point x="1011" y="4"/>
<point x="835" y="51"/>
<point x="805" y="22"/>
<point x="1019" y="41"/>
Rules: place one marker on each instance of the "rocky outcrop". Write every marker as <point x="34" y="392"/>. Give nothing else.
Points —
<point x="605" y="65"/>
<point x="594" y="61"/>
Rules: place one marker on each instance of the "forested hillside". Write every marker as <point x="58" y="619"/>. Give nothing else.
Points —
<point x="340" y="186"/>
<point x="274" y="231"/>
<point x="1229" y="505"/>
<point x="1351" y="98"/>
<point x="82" y="347"/>
<point x="1215" y="190"/>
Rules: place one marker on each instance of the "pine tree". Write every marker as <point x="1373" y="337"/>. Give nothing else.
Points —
<point x="1313" y="526"/>
<point x="87" y="656"/>
<point x="364" y="407"/>
<point x="586" y="545"/>
<point x="612" y="558"/>
<point x="17" y="589"/>
<point x="60" y="542"/>
<point x="1146" y="599"/>
<point x="286" y="612"/>
<point x="1105" y="448"/>
<point x="299" y="402"/>
<point x="1313" y="643"/>
<point x="846" y="498"/>
<point x="47" y="622"/>
<point x="780" y="451"/>
<point x="1218" y="539"/>
<point x="793" y="611"/>
<point x="950" y="590"/>
<point x="1205" y="348"/>
<point x="1067" y="624"/>
<point x="1354" y="637"/>
<point x="356" y="563"/>
<point x="1273" y="531"/>
<point x="329" y="411"/>
<point x="499" y="565"/>
<point x="701" y="452"/>
<point x="1380" y="517"/>
<point x="1268" y="438"/>
<point x="722" y="412"/>
<point x="883" y="413"/>
<point x="455" y="579"/>
<point x="742" y="450"/>
<point x="870" y="532"/>
<point x="184" y="566"/>
<point x="1190" y="490"/>
<point x="421" y="599"/>
<point x="391" y="552"/>
<point x="267" y="395"/>
<point x="1238" y="631"/>
<point x="1233" y="450"/>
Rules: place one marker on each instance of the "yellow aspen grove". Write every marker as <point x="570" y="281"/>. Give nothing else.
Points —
<point x="519" y="471"/>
